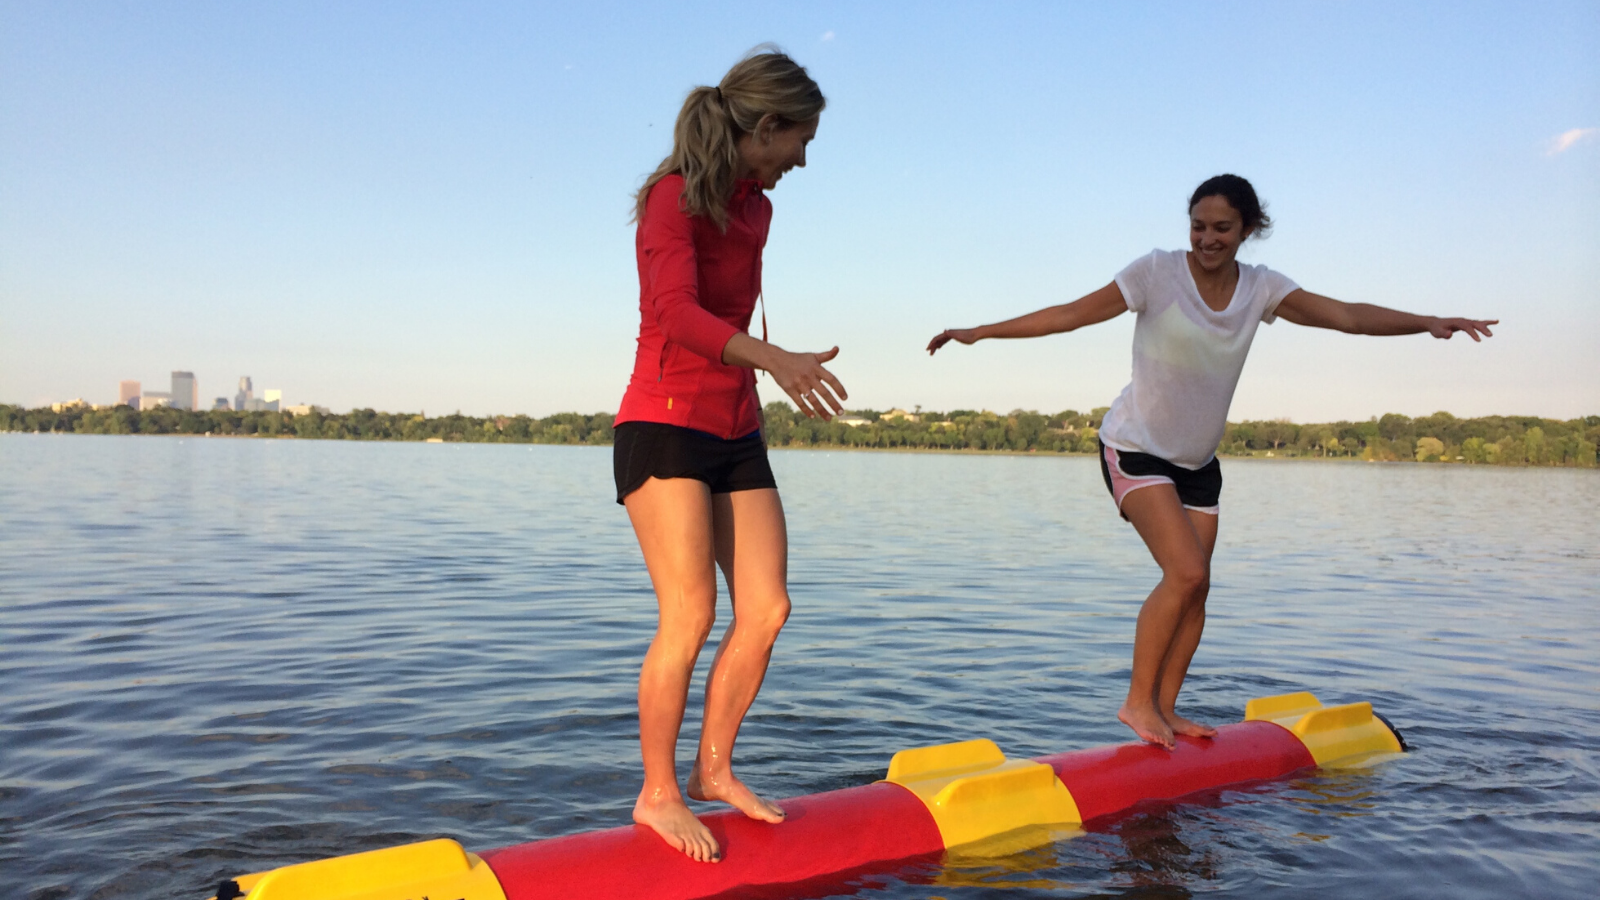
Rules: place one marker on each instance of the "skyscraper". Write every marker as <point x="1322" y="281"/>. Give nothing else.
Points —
<point x="271" y="398"/>
<point x="241" y="400"/>
<point x="185" y="391"/>
<point x="128" y="394"/>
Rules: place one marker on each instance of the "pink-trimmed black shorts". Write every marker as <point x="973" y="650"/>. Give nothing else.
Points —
<point x="1198" y="489"/>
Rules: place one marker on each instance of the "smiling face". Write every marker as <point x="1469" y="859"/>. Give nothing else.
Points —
<point x="1215" y="232"/>
<point x="772" y="150"/>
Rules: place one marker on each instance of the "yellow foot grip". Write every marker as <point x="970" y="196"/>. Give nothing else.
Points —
<point x="438" y="869"/>
<point x="1348" y="735"/>
<point x="974" y="792"/>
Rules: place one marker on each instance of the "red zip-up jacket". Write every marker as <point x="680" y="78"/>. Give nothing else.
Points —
<point x="697" y="289"/>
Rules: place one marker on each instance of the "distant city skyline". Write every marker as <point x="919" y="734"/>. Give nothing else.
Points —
<point x="184" y="393"/>
<point x="426" y="207"/>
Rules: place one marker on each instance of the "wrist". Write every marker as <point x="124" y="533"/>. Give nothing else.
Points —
<point x="767" y="356"/>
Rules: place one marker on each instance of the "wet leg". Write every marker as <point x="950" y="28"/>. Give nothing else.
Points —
<point x="672" y="519"/>
<point x="1162" y="523"/>
<point x="1176" y="666"/>
<point x="752" y="546"/>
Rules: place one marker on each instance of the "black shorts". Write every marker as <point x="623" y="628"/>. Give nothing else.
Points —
<point x="1198" y="489"/>
<point x="645" y="450"/>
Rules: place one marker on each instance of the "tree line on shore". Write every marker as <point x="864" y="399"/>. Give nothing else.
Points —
<point x="1441" y="437"/>
<point x="356" y="425"/>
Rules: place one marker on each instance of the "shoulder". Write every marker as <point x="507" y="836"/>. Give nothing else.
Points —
<point x="1138" y="279"/>
<point x="1267" y="288"/>
<point x="663" y="207"/>
<point x="1154" y="265"/>
<point x="1169" y="260"/>
<point x="668" y="192"/>
<point x="1159" y="261"/>
<point x="1269" y="280"/>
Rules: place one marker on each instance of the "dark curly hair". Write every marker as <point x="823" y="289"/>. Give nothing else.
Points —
<point x="1241" y="196"/>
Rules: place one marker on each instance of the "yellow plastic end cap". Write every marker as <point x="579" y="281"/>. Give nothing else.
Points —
<point x="930" y="762"/>
<point x="438" y="868"/>
<point x="1280" y="706"/>
<point x="1338" y="733"/>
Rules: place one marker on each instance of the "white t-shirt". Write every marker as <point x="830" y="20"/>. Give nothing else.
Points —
<point x="1186" y="357"/>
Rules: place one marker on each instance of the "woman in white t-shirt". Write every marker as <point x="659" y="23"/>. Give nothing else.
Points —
<point x="1198" y="312"/>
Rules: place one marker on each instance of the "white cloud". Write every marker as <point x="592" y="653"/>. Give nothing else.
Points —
<point x="827" y="35"/>
<point x="1564" y="141"/>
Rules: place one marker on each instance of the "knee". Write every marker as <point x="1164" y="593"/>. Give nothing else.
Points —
<point x="766" y="621"/>
<point x="1192" y="578"/>
<point x="699" y="629"/>
<point x="688" y="628"/>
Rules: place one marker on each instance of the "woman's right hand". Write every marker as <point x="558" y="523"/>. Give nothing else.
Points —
<point x="964" y="335"/>
<point x="812" y="388"/>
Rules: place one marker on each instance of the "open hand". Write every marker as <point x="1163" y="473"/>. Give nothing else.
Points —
<point x="812" y="388"/>
<point x="964" y="335"/>
<point x="1444" y="328"/>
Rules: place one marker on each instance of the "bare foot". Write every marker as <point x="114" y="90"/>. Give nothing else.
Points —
<point x="1147" y="724"/>
<point x="732" y="791"/>
<point x="671" y="819"/>
<point x="1180" y="725"/>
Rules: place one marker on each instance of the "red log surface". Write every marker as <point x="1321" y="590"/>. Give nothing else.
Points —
<point x="824" y="833"/>
<point x="1105" y="780"/>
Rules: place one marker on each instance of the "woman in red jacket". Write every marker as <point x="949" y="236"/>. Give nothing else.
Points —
<point x="691" y="464"/>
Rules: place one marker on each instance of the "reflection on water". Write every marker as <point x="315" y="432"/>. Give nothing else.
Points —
<point x="223" y="656"/>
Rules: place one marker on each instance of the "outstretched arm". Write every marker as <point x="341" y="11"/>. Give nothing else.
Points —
<point x="1090" y="309"/>
<point x="1305" y="308"/>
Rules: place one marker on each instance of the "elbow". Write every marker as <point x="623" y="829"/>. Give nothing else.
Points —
<point x="1349" y="321"/>
<point x="675" y="320"/>
<point x="672" y="329"/>
<point x="1066" y="321"/>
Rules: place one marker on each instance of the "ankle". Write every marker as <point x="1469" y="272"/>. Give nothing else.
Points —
<point x="660" y="795"/>
<point x="715" y="774"/>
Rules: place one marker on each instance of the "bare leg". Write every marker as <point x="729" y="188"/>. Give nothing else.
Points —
<point x="672" y="519"/>
<point x="752" y="547"/>
<point x="1162" y="522"/>
<point x="1176" y="666"/>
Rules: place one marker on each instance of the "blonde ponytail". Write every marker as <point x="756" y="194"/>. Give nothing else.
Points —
<point x="705" y="149"/>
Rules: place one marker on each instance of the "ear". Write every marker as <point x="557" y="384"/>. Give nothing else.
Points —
<point x="767" y="127"/>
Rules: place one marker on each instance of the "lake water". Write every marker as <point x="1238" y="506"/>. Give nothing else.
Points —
<point x="219" y="656"/>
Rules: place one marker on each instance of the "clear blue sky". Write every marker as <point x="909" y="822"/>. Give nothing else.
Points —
<point x="424" y="206"/>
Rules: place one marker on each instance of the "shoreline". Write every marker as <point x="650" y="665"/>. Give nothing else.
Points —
<point x="1440" y="437"/>
<point x="1258" y="456"/>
